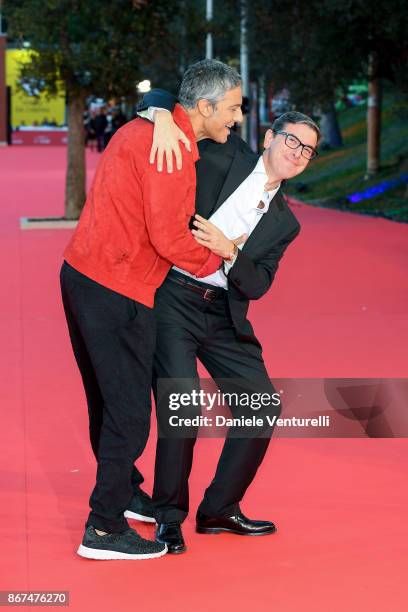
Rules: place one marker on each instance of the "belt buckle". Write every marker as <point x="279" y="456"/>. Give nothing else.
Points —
<point x="208" y="295"/>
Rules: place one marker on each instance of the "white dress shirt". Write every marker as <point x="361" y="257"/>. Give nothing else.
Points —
<point x="238" y="215"/>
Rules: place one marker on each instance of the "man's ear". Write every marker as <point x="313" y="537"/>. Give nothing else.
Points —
<point x="269" y="135"/>
<point x="205" y="108"/>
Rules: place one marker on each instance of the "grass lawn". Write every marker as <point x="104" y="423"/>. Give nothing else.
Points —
<point x="339" y="173"/>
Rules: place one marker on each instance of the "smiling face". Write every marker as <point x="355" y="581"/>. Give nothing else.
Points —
<point x="282" y="162"/>
<point x="218" y="119"/>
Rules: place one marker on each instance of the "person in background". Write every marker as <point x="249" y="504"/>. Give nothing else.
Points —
<point x="99" y="124"/>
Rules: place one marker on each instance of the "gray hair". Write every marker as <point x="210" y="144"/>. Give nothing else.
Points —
<point x="209" y="80"/>
<point x="294" y="117"/>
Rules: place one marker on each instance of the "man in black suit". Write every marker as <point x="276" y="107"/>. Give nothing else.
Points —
<point x="240" y="193"/>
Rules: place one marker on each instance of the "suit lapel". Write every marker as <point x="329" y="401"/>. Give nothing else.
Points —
<point x="269" y="222"/>
<point x="241" y="167"/>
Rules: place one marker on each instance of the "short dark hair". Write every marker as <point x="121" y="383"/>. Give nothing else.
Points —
<point x="294" y="117"/>
<point x="209" y="79"/>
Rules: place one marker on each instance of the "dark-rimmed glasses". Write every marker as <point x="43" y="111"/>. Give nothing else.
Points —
<point x="293" y="142"/>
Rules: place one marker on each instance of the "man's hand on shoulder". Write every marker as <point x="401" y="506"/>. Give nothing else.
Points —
<point x="166" y="141"/>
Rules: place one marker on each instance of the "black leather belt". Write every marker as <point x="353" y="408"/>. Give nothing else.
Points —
<point x="204" y="291"/>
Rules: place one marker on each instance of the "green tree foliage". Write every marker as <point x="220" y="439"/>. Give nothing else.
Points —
<point x="186" y="45"/>
<point x="318" y="46"/>
<point x="96" y="47"/>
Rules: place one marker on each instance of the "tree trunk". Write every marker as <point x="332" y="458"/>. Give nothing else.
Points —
<point x="3" y="91"/>
<point x="330" y="127"/>
<point x="374" y="104"/>
<point x="75" y="187"/>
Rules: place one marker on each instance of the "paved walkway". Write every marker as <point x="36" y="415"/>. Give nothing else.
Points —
<point x="338" y="308"/>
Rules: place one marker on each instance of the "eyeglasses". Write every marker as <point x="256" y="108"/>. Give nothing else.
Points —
<point x="293" y="142"/>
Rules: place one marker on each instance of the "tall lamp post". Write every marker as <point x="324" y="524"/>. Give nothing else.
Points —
<point x="209" y="39"/>
<point x="3" y="91"/>
<point x="244" y="65"/>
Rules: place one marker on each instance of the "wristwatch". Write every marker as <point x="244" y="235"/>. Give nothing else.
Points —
<point x="232" y="256"/>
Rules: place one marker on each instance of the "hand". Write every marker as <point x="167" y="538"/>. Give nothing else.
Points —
<point x="240" y="240"/>
<point x="166" y="136"/>
<point x="210" y="236"/>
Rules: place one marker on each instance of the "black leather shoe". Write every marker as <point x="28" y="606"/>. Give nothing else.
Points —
<point x="171" y="534"/>
<point x="141" y="508"/>
<point x="237" y="523"/>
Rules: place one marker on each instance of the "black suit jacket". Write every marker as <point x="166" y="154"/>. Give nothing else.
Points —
<point x="220" y="170"/>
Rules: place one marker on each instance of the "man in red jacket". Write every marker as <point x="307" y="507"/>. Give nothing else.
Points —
<point x="133" y="228"/>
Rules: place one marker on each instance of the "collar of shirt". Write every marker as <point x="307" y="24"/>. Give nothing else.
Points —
<point x="261" y="178"/>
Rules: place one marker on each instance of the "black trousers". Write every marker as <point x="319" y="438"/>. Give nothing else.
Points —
<point x="113" y="339"/>
<point x="189" y="327"/>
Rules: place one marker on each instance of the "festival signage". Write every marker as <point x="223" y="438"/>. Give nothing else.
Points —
<point x="31" y="106"/>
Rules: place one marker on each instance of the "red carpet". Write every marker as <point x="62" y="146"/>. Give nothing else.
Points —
<point x="338" y="308"/>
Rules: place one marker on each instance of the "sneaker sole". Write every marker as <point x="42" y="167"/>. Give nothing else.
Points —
<point x="139" y="517"/>
<point x="106" y="555"/>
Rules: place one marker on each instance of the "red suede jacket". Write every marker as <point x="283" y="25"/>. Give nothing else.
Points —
<point x="134" y="224"/>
